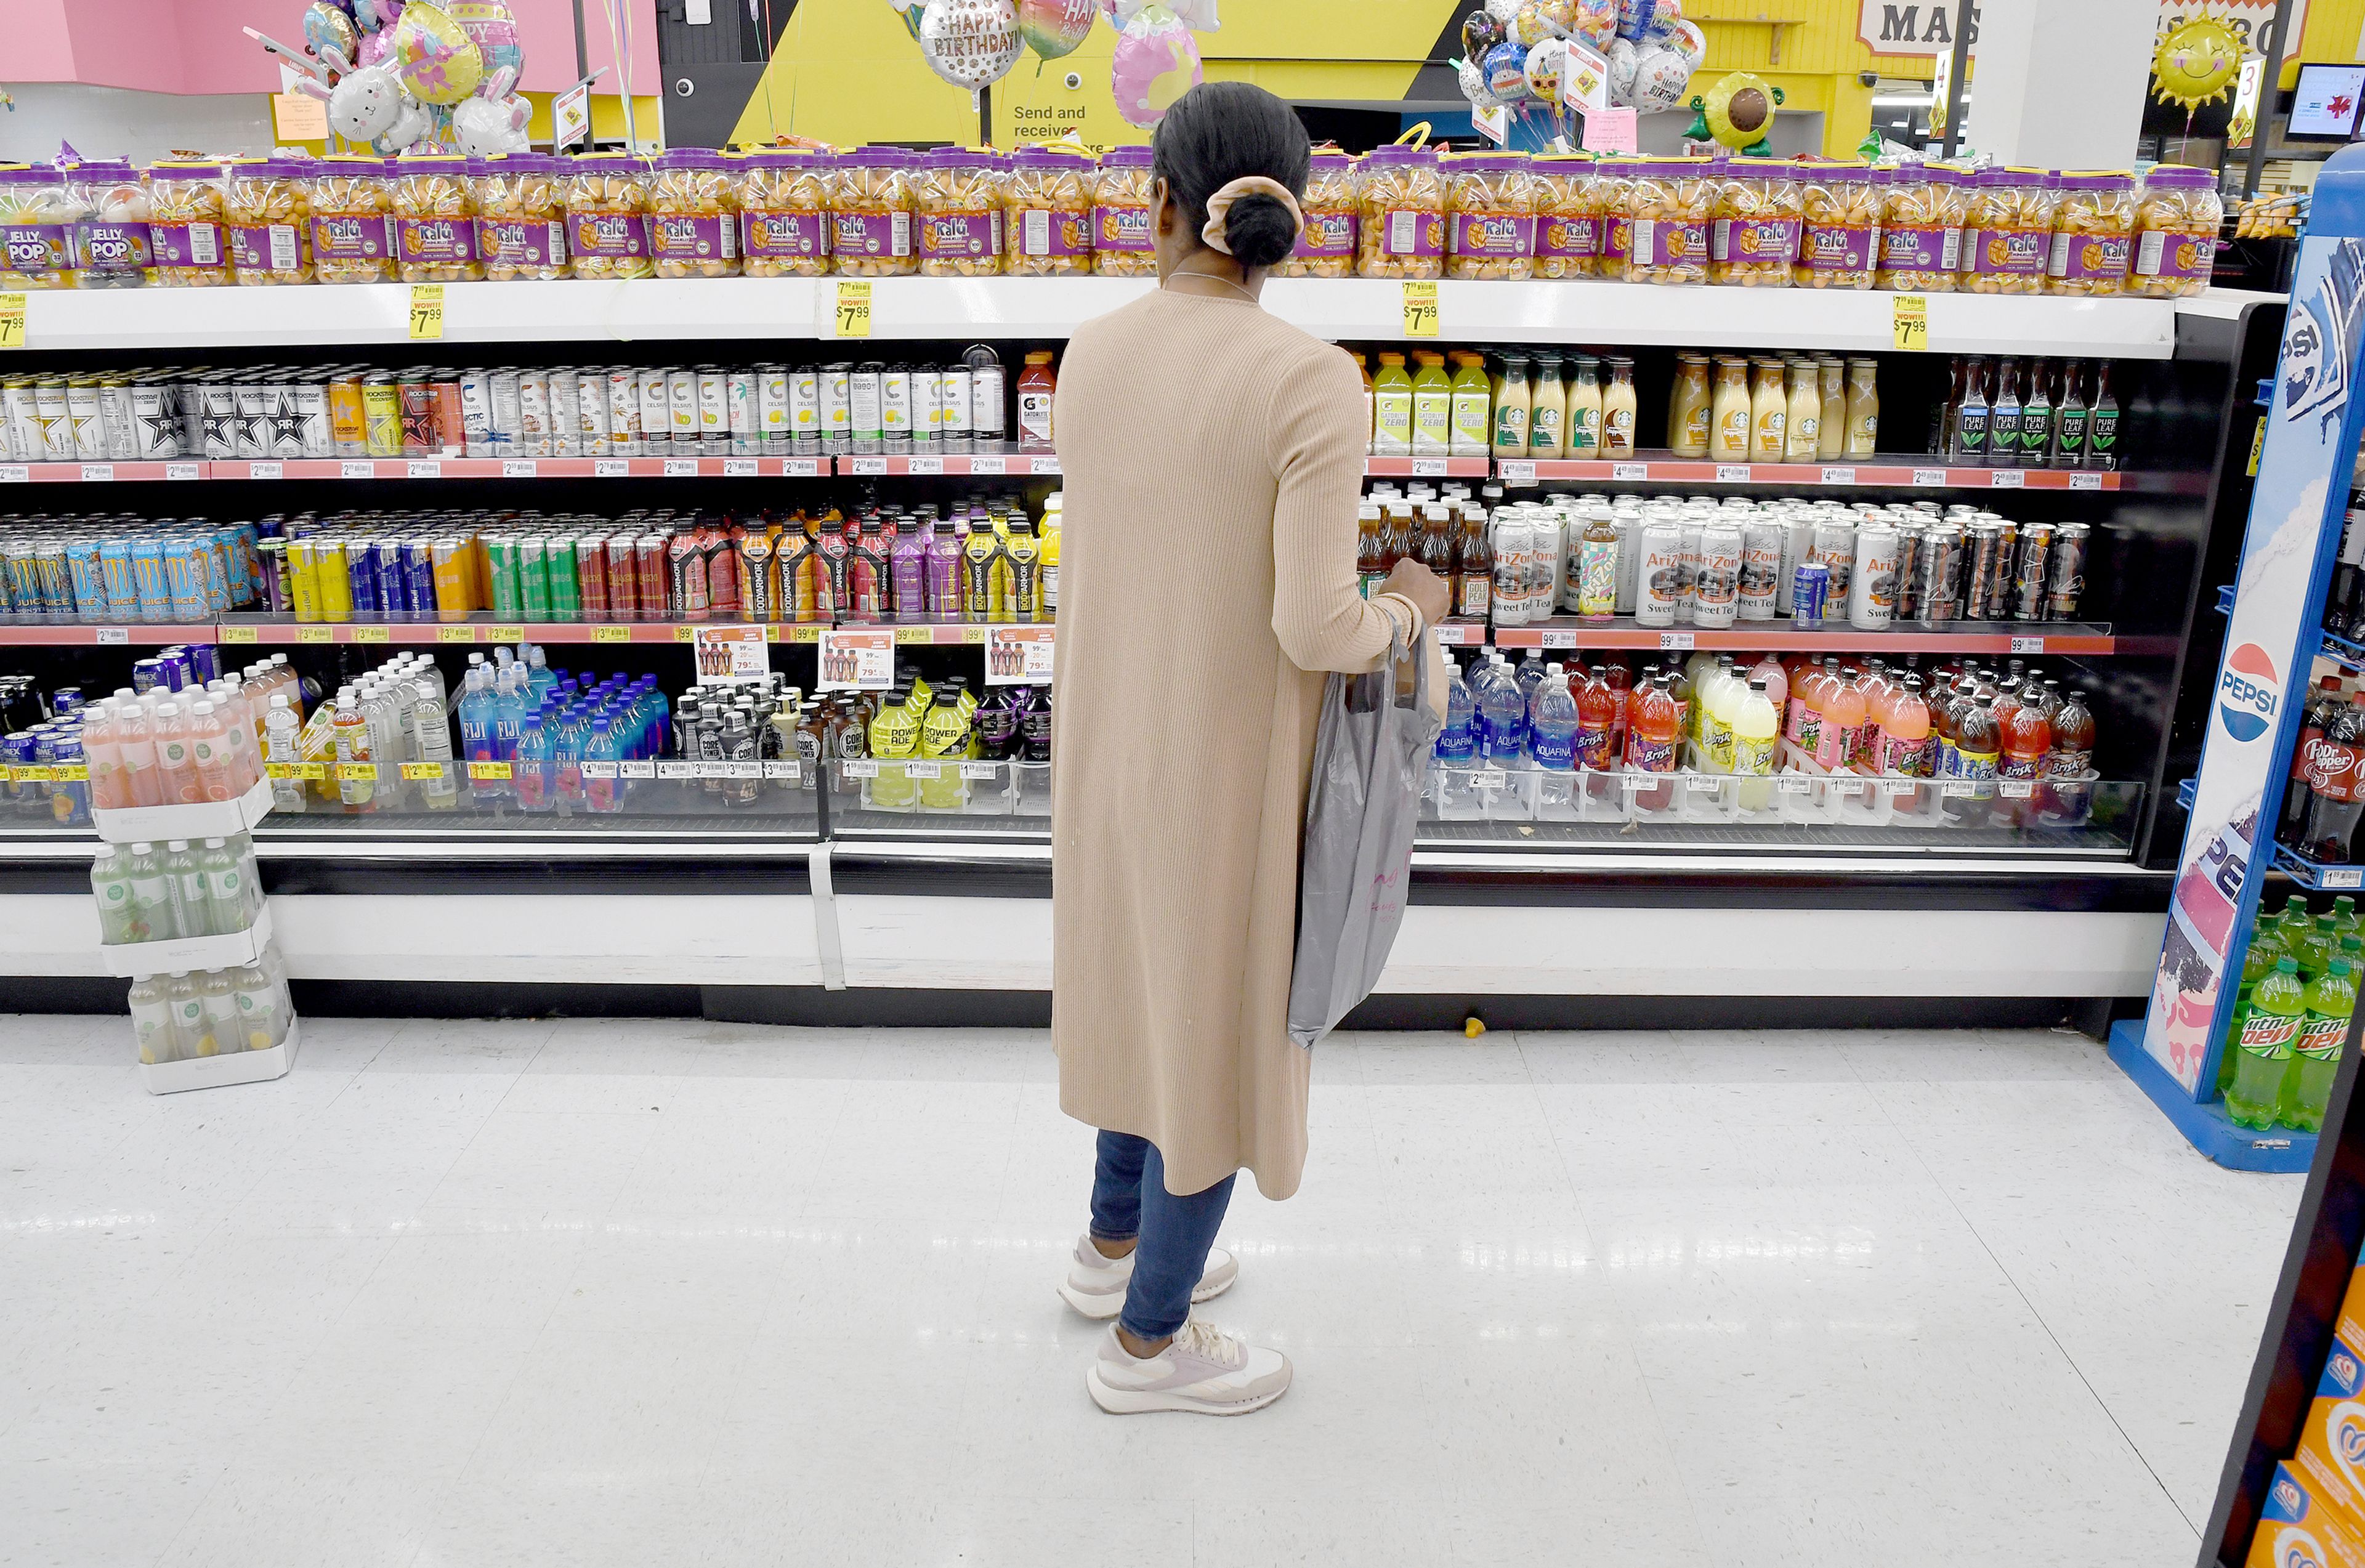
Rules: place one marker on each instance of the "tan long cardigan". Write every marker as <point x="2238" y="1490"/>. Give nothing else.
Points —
<point x="1213" y="458"/>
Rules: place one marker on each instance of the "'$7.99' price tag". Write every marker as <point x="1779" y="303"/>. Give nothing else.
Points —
<point x="426" y="310"/>
<point x="853" y="314"/>
<point x="1419" y="308"/>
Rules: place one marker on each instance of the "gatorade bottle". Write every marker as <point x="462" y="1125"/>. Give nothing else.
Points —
<point x="1392" y="408"/>
<point x="2316" y="1055"/>
<point x="2263" y="1045"/>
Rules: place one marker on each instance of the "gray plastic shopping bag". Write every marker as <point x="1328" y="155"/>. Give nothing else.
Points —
<point x="1371" y="759"/>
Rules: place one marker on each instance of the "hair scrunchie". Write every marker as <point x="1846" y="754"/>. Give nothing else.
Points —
<point x="1212" y="234"/>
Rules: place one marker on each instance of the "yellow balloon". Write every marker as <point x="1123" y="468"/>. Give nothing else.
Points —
<point x="433" y="55"/>
<point x="2195" y="63"/>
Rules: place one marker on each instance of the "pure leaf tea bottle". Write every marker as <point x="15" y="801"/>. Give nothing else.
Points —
<point x="2103" y="430"/>
<point x="2070" y="419"/>
<point x="2036" y="416"/>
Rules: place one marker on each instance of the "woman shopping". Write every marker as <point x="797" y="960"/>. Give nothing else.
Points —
<point x="1213" y="459"/>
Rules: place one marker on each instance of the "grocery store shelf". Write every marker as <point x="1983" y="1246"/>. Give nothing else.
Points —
<point x="481" y="629"/>
<point x="651" y="309"/>
<point x="2055" y="637"/>
<point x="2315" y="874"/>
<point x="1899" y="470"/>
<point x="159" y="634"/>
<point x="975" y="463"/>
<point x="2341" y="651"/>
<point x="1428" y="468"/>
<point x="361" y="315"/>
<point x="521" y="468"/>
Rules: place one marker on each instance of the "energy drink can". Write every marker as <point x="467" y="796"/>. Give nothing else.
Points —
<point x="1980" y="545"/>
<point x="1937" y="570"/>
<point x="2000" y="583"/>
<point x="625" y="413"/>
<point x="251" y="429"/>
<point x="746" y="433"/>
<point x="559" y="574"/>
<point x="863" y="406"/>
<point x="452" y="580"/>
<point x="361" y="578"/>
<point x="2065" y="573"/>
<point x="713" y="411"/>
<point x="773" y="433"/>
<point x="927" y="407"/>
<point x="54" y="427"/>
<point x="501" y="566"/>
<point x="2030" y="573"/>
<point x="313" y="433"/>
<point x="150" y="590"/>
<point x="837" y="405"/>
<point x="534" y="414"/>
<point x="155" y="426"/>
<point x="1909" y="535"/>
<point x="682" y="413"/>
<point x="953" y="389"/>
<point x="418" y="579"/>
<point x="450" y="438"/>
<point x="183" y="584"/>
<point x="623" y="582"/>
<point x="118" y="432"/>
<point x="895" y="405"/>
<point x="656" y="413"/>
<point x="21" y="415"/>
<point x="592" y="414"/>
<point x="85" y="581"/>
<point x="421" y="438"/>
<point x="381" y="415"/>
<point x="506" y="412"/>
<point x="348" y="425"/>
<point x="396" y="601"/>
<point x="115" y="579"/>
<point x="650" y="578"/>
<point x="566" y="413"/>
<point x="303" y="580"/>
<point x="1810" y="588"/>
<point x="476" y="413"/>
<point x="805" y="410"/>
<point x="88" y="435"/>
<point x="591" y="577"/>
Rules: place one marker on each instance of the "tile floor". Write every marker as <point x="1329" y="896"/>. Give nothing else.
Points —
<point x="673" y="1292"/>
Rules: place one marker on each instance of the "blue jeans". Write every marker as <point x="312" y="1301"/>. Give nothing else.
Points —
<point x="1172" y="1234"/>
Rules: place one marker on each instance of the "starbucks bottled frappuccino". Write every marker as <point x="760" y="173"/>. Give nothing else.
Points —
<point x="1512" y="399"/>
<point x="1689" y="405"/>
<point x="1548" y="412"/>
<point x="1583" y="425"/>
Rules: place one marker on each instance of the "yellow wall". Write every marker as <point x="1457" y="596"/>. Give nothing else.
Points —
<point x="2330" y="36"/>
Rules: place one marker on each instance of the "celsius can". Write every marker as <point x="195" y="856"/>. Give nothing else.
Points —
<point x="2065" y="572"/>
<point x="1718" y="583"/>
<point x="927" y="406"/>
<point x="505" y="392"/>
<point x="477" y="414"/>
<point x="656" y="413"/>
<point x="625" y="413"/>
<point x="895" y="403"/>
<point x="804" y="411"/>
<point x="838" y="406"/>
<point x="682" y="413"/>
<point x="534" y="414"/>
<point x="1658" y="574"/>
<point x="1809" y="587"/>
<point x="953" y="399"/>
<point x="746" y="431"/>
<point x="1872" y="582"/>
<point x="1761" y="570"/>
<point x="566" y="413"/>
<point x="773" y="433"/>
<point x="593" y="412"/>
<point x="713" y="411"/>
<point x="2030" y="575"/>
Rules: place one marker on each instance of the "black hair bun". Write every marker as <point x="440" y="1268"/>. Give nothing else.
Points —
<point x="1260" y="231"/>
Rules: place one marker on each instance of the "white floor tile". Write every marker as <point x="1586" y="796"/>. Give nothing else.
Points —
<point x="601" y="1292"/>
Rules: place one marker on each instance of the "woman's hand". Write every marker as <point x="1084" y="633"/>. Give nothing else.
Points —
<point x="1424" y="587"/>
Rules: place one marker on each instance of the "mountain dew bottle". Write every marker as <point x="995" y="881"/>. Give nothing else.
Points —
<point x="2293" y="920"/>
<point x="2345" y="922"/>
<point x="2258" y="963"/>
<point x="2263" y="1045"/>
<point x="2315" y="1053"/>
<point x="2314" y="948"/>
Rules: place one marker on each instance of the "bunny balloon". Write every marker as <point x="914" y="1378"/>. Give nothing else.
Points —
<point x="493" y="122"/>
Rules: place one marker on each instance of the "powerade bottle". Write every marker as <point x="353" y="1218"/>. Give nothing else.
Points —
<point x="2316" y="1055"/>
<point x="2263" y="1045"/>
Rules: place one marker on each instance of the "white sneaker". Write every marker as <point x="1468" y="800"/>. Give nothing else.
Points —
<point x="1095" y="1285"/>
<point x="1204" y="1371"/>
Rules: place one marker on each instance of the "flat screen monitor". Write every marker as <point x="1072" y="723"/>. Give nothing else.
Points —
<point x="2324" y="105"/>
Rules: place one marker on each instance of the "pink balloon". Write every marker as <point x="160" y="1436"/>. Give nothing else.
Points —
<point x="1155" y="64"/>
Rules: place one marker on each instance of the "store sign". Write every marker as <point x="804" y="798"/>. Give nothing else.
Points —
<point x="1924" y="27"/>
<point x="856" y="660"/>
<point x="1019" y="656"/>
<point x="726" y="653"/>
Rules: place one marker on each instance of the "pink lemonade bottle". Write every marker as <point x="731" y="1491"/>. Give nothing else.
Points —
<point x="110" y="789"/>
<point x="1843" y="719"/>
<point x="209" y="753"/>
<point x="176" y="763"/>
<point x="135" y="743"/>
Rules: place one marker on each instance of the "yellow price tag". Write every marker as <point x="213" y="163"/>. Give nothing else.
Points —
<point x="913" y="635"/>
<point x="804" y="634"/>
<point x="316" y="633"/>
<point x="426" y="310"/>
<point x="282" y="770"/>
<point x="1909" y="322"/>
<point x="611" y="633"/>
<point x="455" y="633"/>
<point x="685" y="633"/>
<point x="356" y="772"/>
<point x="973" y="636"/>
<point x="312" y="772"/>
<point x="853" y="308"/>
<point x="488" y="770"/>
<point x="372" y="634"/>
<point x="12" y="321"/>
<point x="424" y="769"/>
<point x="771" y="633"/>
<point x="6" y="773"/>
<point x="39" y="773"/>
<point x="239" y="635"/>
<point x="1419" y="308"/>
<point x="504" y="634"/>
<point x="72" y="772"/>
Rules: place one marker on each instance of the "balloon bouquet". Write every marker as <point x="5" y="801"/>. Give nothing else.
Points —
<point x="398" y="73"/>
<point x="1516" y="51"/>
<point x="973" y="43"/>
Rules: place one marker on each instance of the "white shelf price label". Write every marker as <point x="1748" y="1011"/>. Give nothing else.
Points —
<point x="2007" y="479"/>
<point x="1959" y="789"/>
<point x="1490" y="778"/>
<point x="426" y="469"/>
<point x="2353" y="877"/>
<point x="1557" y="637"/>
<point x="113" y="634"/>
<point x="925" y="465"/>
<point x="1515" y="473"/>
<point x="1839" y="475"/>
<point x="2085" y="481"/>
<point x="925" y="769"/>
<point x="742" y="769"/>
<point x="2028" y="645"/>
<point x="98" y="472"/>
<point x="610" y="468"/>
<point x="1040" y="466"/>
<point x="185" y="470"/>
<point x="356" y="468"/>
<point x="676" y="770"/>
<point x="681" y="467"/>
<point x="1730" y="473"/>
<point x="1639" y="471"/>
<point x="861" y="768"/>
<point x="1894" y="787"/>
<point x="2015" y="789"/>
<point x="1429" y="467"/>
<point x="993" y="462"/>
<point x="792" y="770"/>
<point x="527" y="468"/>
<point x="16" y="473"/>
<point x="738" y="467"/>
<point x="1930" y="476"/>
<point x="801" y="467"/>
<point x="266" y="470"/>
<point x="1796" y="784"/>
<point x="643" y="769"/>
<point x="1675" y="642"/>
<point x="985" y="770"/>
<point x="870" y="465"/>
<point x="600" y="769"/>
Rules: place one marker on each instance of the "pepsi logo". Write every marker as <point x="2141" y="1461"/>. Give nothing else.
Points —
<point x="2248" y="692"/>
